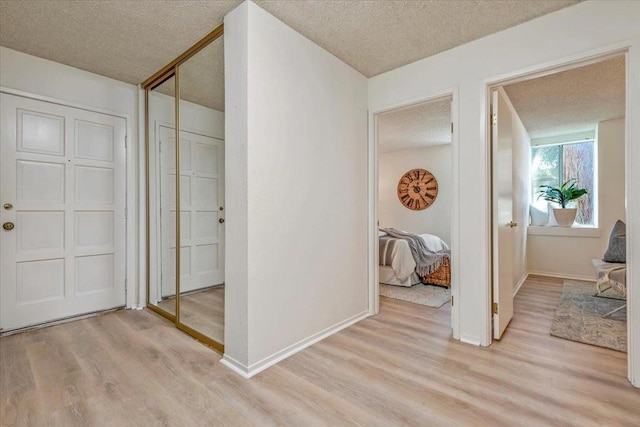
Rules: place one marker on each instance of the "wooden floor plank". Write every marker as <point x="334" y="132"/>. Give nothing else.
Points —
<point x="398" y="368"/>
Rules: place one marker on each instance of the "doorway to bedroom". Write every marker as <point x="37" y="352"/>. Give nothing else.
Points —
<point x="558" y="148"/>
<point x="414" y="215"/>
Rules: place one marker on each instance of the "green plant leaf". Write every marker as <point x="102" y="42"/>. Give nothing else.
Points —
<point x="562" y="195"/>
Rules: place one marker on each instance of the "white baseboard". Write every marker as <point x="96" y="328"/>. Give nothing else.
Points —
<point x="519" y="284"/>
<point x="235" y="366"/>
<point x="257" y="367"/>
<point x="471" y="340"/>
<point x="563" y="276"/>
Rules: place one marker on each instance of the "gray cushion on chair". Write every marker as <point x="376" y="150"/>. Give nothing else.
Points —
<point x="617" y="250"/>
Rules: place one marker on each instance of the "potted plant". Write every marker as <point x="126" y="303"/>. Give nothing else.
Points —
<point x="562" y="196"/>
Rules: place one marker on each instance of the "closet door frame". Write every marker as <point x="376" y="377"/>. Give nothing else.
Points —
<point x="172" y="70"/>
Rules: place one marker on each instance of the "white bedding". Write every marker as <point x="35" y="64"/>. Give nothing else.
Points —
<point x="387" y="276"/>
<point x="402" y="261"/>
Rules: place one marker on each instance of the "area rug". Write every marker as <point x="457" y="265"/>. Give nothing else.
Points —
<point x="579" y="317"/>
<point x="429" y="295"/>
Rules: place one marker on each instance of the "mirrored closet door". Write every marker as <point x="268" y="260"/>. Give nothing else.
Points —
<point x="202" y="191"/>
<point x="161" y="166"/>
<point x="185" y="182"/>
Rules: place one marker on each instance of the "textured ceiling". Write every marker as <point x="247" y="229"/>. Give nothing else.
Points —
<point x="202" y="76"/>
<point x="418" y="126"/>
<point x="124" y="40"/>
<point x="130" y="40"/>
<point x="375" y="36"/>
<point x="571" y="101"/>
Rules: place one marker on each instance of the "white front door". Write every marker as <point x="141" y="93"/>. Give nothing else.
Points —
<point x="201" y="210"/>
<point x="63" y="190"/>
<point x="503" y="246"/>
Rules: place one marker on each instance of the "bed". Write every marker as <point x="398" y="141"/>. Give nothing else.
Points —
<point x="397" y="265"/>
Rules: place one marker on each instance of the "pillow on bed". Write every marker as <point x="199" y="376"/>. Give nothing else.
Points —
<point x="382" y="233"/>
<point x="434" y="243"/>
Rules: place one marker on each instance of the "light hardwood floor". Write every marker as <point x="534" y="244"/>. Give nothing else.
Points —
<point x="202" y="311"/>
<point x="398" y="368"/>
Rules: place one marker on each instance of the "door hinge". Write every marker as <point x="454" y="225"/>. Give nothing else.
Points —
<point x="451" y="127"/>
<point x="451" y="299"/>
<point x="126" y="141"/>
<point x="495" y="308"/>
<point x="494" y="119"/>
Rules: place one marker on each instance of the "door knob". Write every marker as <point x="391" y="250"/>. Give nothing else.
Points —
<point x="512" y="224"/>
<point x="8" y="206"/>
<point x="8" y="226"/>
<point x="221" y="220"/>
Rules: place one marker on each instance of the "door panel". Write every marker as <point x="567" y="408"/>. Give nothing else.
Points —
<point x="201" y="197"/>
<point x="63" y="170"/>
<point x="503" y="246"/>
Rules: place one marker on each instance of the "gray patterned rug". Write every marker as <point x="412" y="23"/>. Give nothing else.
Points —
<point x="579" y="317"/>
<point x="429" y="295"/>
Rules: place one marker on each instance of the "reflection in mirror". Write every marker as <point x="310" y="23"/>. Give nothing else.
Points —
<point x="162" y="189"/>
<point x="202" y="212"/>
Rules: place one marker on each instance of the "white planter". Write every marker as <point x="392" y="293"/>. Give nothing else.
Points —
<point x="565" y="217"/>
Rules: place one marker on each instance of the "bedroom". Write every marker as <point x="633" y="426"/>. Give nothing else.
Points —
<point x="564" y="125"/>
<point x="578" y="109"/>
<point x="414" y="196"/>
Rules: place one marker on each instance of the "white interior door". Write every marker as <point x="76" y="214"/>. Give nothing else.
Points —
<point x="503" y="238"/>
<point x="201" y="209"/>
<point x="63" y="172"/>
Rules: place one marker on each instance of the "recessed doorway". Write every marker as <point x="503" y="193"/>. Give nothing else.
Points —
<point x="558" y="148"/>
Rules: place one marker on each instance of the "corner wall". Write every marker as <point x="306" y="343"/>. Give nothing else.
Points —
<point x="305" y="165"/>
<point x="436" y="219"/>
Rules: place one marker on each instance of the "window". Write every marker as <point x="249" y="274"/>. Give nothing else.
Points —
<point x="556" y="164"/>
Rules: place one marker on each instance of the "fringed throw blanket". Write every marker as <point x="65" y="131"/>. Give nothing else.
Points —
<point x="426" y="261"/>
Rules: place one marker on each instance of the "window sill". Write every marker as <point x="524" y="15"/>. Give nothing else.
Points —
<point x="534" y="230"/>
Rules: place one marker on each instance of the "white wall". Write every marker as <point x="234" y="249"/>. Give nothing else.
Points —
<point x="296" y="135"/>
<point x="436" y="219"/>
<point x="585" y="29"/>
<point x="548" y="254"/>
<point x="521" y="178"/>
<point x="52" y="81"/>
<point x="236" y="82"/>
<point x="46" y="78"/>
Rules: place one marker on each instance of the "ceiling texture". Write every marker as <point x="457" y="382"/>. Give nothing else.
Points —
<point x="124" y="40"/>
<point x="419" y="126"/>
<point x="130" y="40"/>
<point x="571" y="101"/>
<point x="375" y="36"/>
<point x="202" y="77"/>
